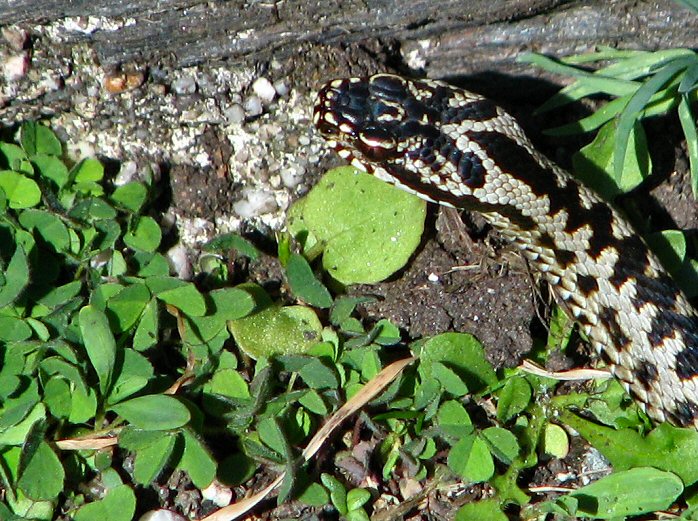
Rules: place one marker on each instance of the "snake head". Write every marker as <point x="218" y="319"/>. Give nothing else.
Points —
<point x="410" y="133"/>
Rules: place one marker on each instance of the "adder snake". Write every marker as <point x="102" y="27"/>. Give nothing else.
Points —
<point x="456" y="148"/>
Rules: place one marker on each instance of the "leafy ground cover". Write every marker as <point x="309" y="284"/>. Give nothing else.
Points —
<point x="116" y="375"/>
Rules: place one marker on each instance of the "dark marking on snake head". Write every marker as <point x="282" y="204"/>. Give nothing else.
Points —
<point x="647" y="374"/>
<point x="479" y="110"/>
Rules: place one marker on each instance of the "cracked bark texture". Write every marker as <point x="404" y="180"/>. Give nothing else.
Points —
<point x="446" y="38"/>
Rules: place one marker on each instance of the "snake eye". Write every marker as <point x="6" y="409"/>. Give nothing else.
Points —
<point x="377" y="144"/>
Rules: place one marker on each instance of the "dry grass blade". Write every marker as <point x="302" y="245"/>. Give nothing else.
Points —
<point x="571" y="375"/>
<point x="356" y="402"/>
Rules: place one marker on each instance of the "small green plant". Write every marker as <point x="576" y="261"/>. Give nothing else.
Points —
<point x="643" y="84"/>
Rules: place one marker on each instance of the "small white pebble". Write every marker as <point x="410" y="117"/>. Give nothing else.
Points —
<point x="202" y="159"/>
<point x="220" y="495"/>
<point x="100" y="259"/>
<point x="184" y="85"/>
<point x="15" y="67"/>
<point x="179" y="261"/>
<point x="52" y="82"/>
<point x="161" y="515"/>
<point x="433" y="277"/>
<point x="291" y="177"/>
<point x="126" y="173"/>
<point x="263" y="88"/>
<point x="281" y="88"/>
<point x="235" y="114"/>
<point x="254" y="202"/>
<point x="252" y="106"/>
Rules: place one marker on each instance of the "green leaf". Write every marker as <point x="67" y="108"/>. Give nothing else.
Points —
<point x="471" y="459"/>
<point x="271" y="434"/>
<point x="236" y="468"/>
<point x="16" y="158"/>
<point x="186" y="298"/>
<point x="135" y="373"/>
<point x="227" y="382"/>
<point x="312" y="401"/>
<point x="99" y="344"/>
<point x="125" y="308"/>
<point x="502" y="444"/>
<point x="197" y="461"/>
<point x="14" y="329"/>
<point x="338" y="494"/>
<point x="449" y="379"/>
<point x="39" y="139"/>
<point x="277" y="330"/>
<point x="118" y="505"/>
<point x="318" y="375"/>
<point x="131" y="196"/>
<point x="16" y="277"/>
<point x="51" y="168"/>
<point x="231" y="241"/>
<point x="368" y="228"/>
<point x="154" y="412"/>
<point x="628" y="493"/>
<point x="83" y="405"/>
<point x="304" y="284"/>
<point x="57" y="397"/>
<point x="21" y="191"/>
<point x="454" y="420"/>
<point x="555" y="442"/>
<point x="357" y="497"/>
<point x="314" y="495"/>
<point x="151" y="459"/>
<point x="43" y="474"/>
<point x="94" y="209"/>
<point x="463" y="354"/>
<point x="513" y="398"/>
<point x="88" y="170"/>
<point x="484" y="510"/>
<point x="146" y="334"/>
<point x="594" y="164"/>
<point x="145" y="236"/>
<point x="48" y="226"/>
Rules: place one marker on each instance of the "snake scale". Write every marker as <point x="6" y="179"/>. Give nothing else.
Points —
<point x="456" y="148"/>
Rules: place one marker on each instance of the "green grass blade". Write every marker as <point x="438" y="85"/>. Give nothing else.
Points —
<point x="604" y="53"/>
<point x="591" y="122"/>
<point x="644" y="65"/>
<point x="587" y="87"/>
<point x="688" y="124"/>
<point x="689" y="80"/>
<point x="636" y="105"/>
<point x="554" y="66"/>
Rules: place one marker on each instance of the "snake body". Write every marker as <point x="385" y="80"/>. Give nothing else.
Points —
<point x="456" y="148"/>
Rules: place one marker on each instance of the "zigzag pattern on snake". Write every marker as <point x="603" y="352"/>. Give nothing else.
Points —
<point x="456" y="148"/>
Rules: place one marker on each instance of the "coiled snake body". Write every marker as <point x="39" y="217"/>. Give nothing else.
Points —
<point x="456" y="148"/>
